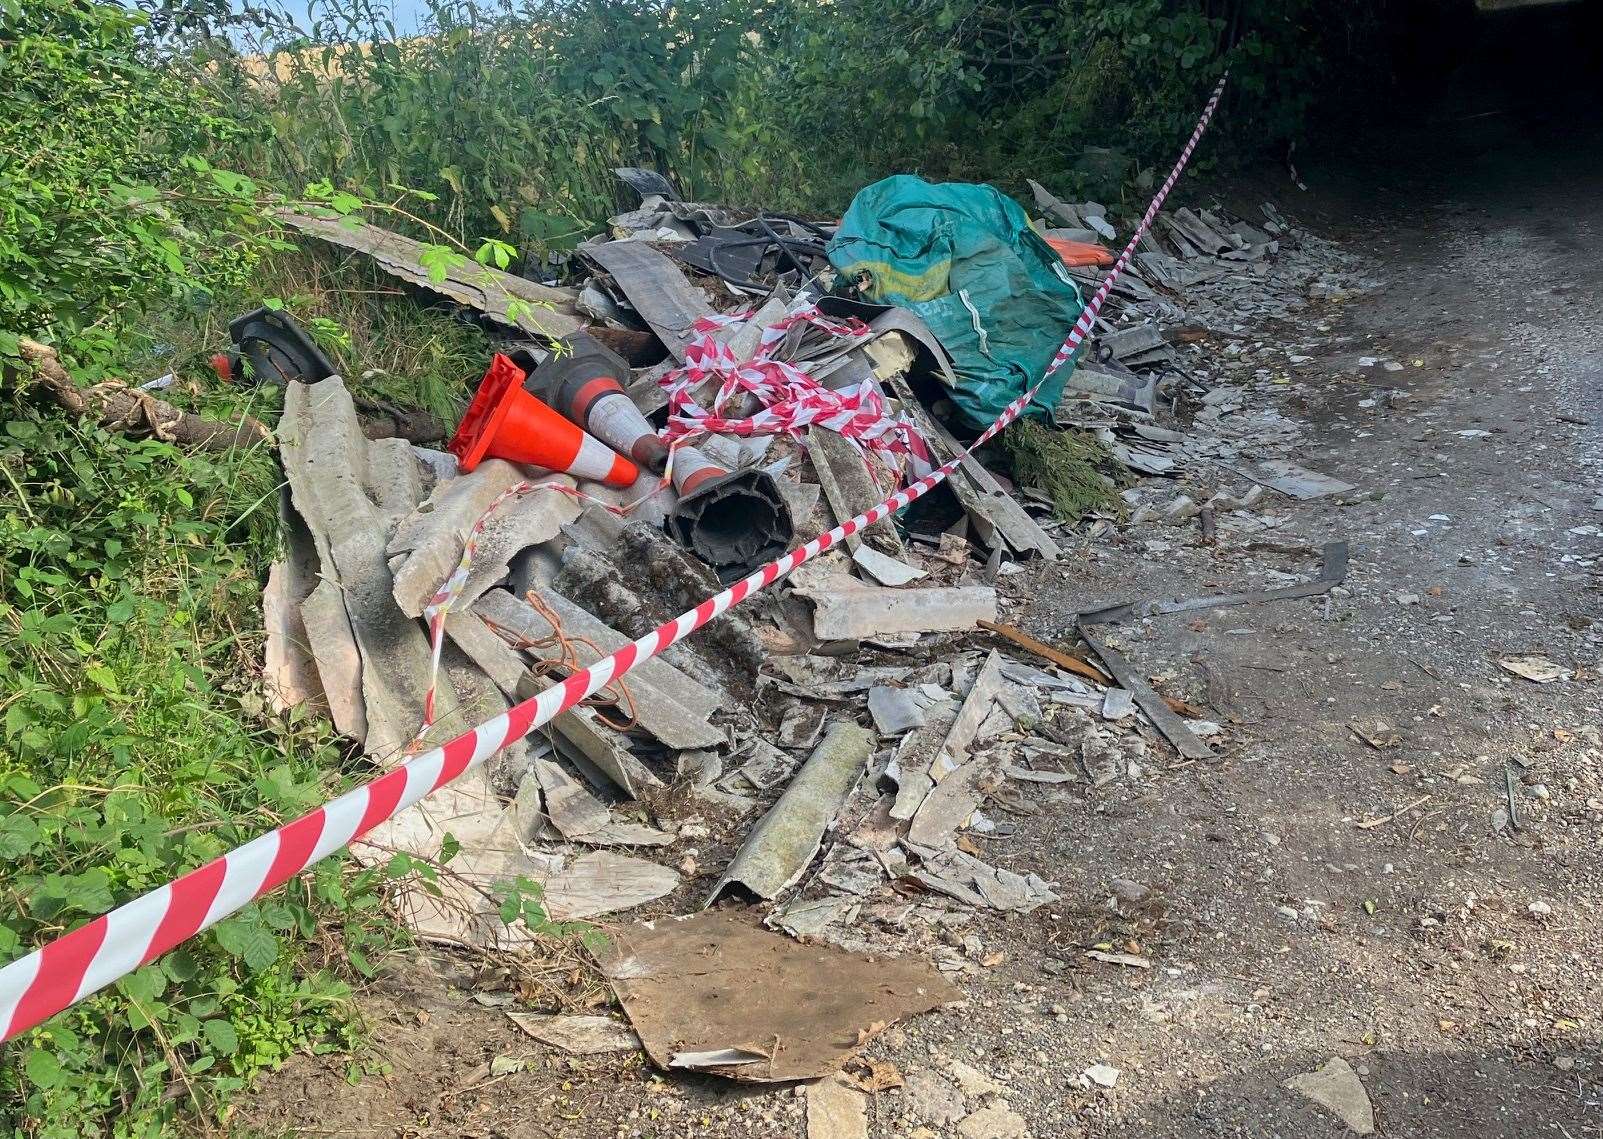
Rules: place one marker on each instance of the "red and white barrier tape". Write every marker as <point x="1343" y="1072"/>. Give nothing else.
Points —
<point x="791" y="398"/>
<point x="92" y="956"/>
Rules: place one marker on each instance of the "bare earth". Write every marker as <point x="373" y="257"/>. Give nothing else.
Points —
<point x="1453" y="959"/>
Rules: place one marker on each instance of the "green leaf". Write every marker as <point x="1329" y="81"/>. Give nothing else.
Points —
<point x="43" y="1068"/>
<point x="449" y="847"/>
<point x="221" y="1036"/>
<point x="248" y="940"/>
<point x="18" y="834"/>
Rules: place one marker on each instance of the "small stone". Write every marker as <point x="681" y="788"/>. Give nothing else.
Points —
<point x="932" y="1098"/>
<point x="1288" y="912"/>
<point x="1540" y="909"/>
<point x="1564" y="1063"/>
<point x="972" y="1081"/>
<point x="1337" y="1087"/>
<point x="836" y="1110"/>
<point x="1129" y="890"/>
<point x="1102" y="1075"/>
<point x="994" y="1122"/>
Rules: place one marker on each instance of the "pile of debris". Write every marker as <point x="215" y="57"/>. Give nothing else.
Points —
<point x="847" y="750"/>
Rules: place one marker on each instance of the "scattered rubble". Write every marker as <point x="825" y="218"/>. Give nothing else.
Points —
<point x="421" y="592"/>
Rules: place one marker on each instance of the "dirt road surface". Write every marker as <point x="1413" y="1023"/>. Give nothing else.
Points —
<point x="1397" y="858"/>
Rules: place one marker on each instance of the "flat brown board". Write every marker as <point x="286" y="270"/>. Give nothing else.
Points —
<point x="717" y="981"/>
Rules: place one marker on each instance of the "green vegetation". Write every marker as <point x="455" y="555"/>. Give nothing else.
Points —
<point x="139" y="159"/>
<point x="1073" y="467"/>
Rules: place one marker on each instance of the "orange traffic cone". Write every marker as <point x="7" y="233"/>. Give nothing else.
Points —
<point x="693" y="470"/>
<point x="583" y="382"/>
<point x="506" y="422"/>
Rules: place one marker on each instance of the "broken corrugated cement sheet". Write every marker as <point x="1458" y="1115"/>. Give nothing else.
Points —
<point x="782" y="844"/>
<point x="607" y="751"/>
<point x="656" y="287"/>
<point x="671" y="706"/>
<point x="577" y="1035"/>
<point x="844" y="475"/>
<point x="968" y="879"/>
<point x="1297" y="482"/>
<point x="602" y="882"/>
<point x="716" y="994"/>
<point x="289" y="670"/>
<point x="896" y="711"/>
<point x="428" y="543"/>
<point x="337" y="481"/>
<point x="542" y="310"/>
<point x="883" y="568"/>
<point x="339" y="662"/>
<point x="848" y="609"/>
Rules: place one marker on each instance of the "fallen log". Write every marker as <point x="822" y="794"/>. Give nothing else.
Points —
<point x="118" y="407"/>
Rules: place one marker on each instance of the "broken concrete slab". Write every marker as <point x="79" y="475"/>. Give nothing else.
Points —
<point x="672" y="707"/>
<point x="326" y="459"/>
<point x="1337" y="1088"/>
<point x="688" y="987"/>
<point x="577" y="1035"/>
<point x="848" y="609"/>
<point x="782" y="844"/>
<point x="994" y="1121"/>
